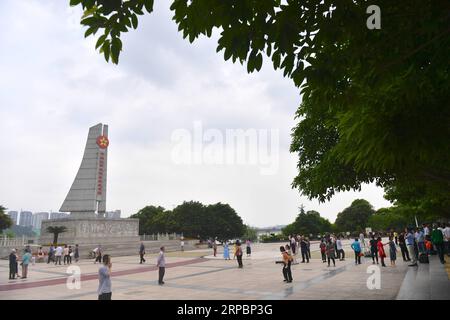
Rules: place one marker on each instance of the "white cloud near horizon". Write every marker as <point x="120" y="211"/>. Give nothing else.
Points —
<point x="54" y="86"/>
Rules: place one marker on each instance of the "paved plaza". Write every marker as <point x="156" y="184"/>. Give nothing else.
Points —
<point x="198" y="275"/>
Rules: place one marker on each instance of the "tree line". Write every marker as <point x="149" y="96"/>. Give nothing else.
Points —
<point x="194" y="220"/>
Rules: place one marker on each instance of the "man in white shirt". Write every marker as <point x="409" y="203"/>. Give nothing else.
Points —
<point x="58" y="254"/>
<point x="446" y="233"/>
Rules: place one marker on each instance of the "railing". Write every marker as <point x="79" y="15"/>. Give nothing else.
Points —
<point x="161" y="237"/>
<point x="17" y="242"/>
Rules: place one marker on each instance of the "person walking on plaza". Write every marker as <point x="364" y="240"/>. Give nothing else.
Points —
<point x="437" y="238"/>
<point x="238" y="253"/>
<point x="182" y="245"/>
<point x="141" y="252"/>
<point x="76" y="253"/>
<point x="403" y="248"/>
<point x="12" y="265"/>
<point x="104" y="279"/>
<point x="381" y="252"/>
<point x="51" y="254"/>
<point x="26" y="258"/>
<point x="287" y="260"/>
<point x="248" y="248"/>
<point x="392" y="251"/>
<point x="410" y="241"/>
<point x="161" y="264"/>
<point x="420" y="239"/>
<point x="66" y="254"/>
<point x="340" y="249"/>
<point x="58" y="255"/>
<point x="226" y="251"/>
<point x="356" y="246"/>
<point x="304" y="250"/>
<point x="374" y="249"/>
<point x="323" y="250"/>
<point x="331" y="252"/>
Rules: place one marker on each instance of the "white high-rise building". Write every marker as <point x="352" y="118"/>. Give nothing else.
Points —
<point x="26" y="218"/>
<point x="13" y="215"/>
<point x="113" y="214"/>
<point x="38" y="218"/>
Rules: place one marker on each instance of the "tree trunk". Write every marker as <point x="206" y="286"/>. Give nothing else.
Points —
<point x="55" y="238"/>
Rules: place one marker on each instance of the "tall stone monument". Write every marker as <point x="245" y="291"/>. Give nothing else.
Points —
<point x="86" y="202"/>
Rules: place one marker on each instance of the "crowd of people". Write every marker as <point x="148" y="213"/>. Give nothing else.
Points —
<point x="415" y="244"/>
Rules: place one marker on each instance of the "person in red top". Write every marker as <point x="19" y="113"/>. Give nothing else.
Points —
<point x="381" y="252"/>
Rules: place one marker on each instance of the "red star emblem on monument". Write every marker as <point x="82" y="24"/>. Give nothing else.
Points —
<point x="102" y="142"/>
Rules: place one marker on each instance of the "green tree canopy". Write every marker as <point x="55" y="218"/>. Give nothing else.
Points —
<point x="374" y="102"/>
<point x="5" y="220"/>
<point x="308" y="223"/>
<point x="56" y="231"/>
<point x="355" y="217"/>
<point x="193" y="219"/>
<point x="386" y="219"/>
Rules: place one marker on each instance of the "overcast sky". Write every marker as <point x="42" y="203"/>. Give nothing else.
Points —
<point x="54" y="86"/>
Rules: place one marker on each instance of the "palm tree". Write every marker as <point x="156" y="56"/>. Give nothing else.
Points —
<point x="56" y="230"/>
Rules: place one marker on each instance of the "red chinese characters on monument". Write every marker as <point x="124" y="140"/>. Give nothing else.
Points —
<point x="103" y="143"/>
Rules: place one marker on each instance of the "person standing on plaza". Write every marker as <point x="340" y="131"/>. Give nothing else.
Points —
<point x="410" y="241"/>
<point x="287" y="260"/>
<point x="392" y="251"/>
<point x="308" y="247"/>
<point x="58" y="255"/>
<point x="70" y="254"/>
<point x="340" y="249"/>
<point x="76" y="253"/>
<point x="99" y="254"/>
<point x="248" y="248"/>
<point x="356" y="246"/>
<point x="182" y="244"/>
<point x="238" y="253"/>
<point x="323" y="250"/>
<point x="161" y="264"/>
<point x="214" y="248"/>
<point x="403" y="248"/>
<point x="26" y="258"/>
<point x="226" y="251"/>
<point x="51" y="254"/>
<point x="141" y="253"/>
<point x="396" y="237"/>
<point x="66" y="254"/>
<point x="446" y="233"/>
<point x="304" y="250"/>
<point x="437" y="238"/>
<point x="331" y="252"/>
<point x="12" y="265"/>
<point x="104" y="279"/>
<point x="420" y="240"/>
<point x="381" y="253"/>
<point x="374" y="249"/>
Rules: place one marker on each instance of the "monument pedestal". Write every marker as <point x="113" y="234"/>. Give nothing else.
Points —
<point x="92" y="231"/>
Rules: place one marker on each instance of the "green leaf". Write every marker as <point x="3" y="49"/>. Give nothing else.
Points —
<point x="89" y="31"/>
<point x="258" y="61"/>
<point x="106" y="49"/>
<point x="134" y="21"/>
<point x="148" y="5"/>
<point x="116" y="47"/>
<point x="100" y="41"/>
<point x="75" y="2"/>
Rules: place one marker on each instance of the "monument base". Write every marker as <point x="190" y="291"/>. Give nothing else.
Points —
<point x="91" y="231"/>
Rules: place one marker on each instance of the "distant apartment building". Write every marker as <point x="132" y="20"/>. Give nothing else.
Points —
<point x="113" y="214"/>
<point x="13" y="215"/>
<point x="58" y="215"/>
<point x="26" y="218"/>
<point x="38" y="218"/>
